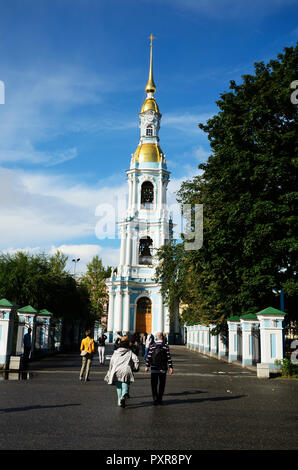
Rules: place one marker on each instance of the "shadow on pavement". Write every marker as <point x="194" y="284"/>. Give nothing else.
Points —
<point x="180" y="402"/>
<point x="186" y="392"/>
<point x="37" y="407"/>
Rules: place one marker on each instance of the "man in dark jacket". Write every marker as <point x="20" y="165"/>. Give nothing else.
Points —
<point x="158" y="360"/>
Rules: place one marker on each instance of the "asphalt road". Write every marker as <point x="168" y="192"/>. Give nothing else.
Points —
<point x="208" y="404"/>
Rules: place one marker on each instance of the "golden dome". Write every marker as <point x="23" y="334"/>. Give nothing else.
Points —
<point x="148" y="153"/>
<point x="150" y="105"/>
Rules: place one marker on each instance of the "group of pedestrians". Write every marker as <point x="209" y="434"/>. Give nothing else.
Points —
<point x="125" y="362"/>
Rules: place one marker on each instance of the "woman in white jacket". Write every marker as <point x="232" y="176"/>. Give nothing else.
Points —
<point x="122" y="364"/>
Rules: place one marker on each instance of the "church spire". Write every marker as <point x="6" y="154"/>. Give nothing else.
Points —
<point x="150" y="87"/>
<point x="148" y="150"/>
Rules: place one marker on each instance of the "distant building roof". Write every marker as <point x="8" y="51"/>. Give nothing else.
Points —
<point x="271" y="311"/>
<point x="27" y="309"/>
<point x="44" y="311"/>
<point x="5" y="303"/>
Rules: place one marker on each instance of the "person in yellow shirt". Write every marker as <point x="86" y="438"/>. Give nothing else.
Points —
<point x="87" y="352"/>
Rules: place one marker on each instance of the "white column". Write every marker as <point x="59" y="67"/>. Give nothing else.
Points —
<point x="195" y="337"/>
<point x="134" y="194"/>
<point x="272" y="339"/>
<point x="165" y="185"/>
<point x="206" y="339"/>
<point x="160" y="192"/>
<point x="111" y="312"/>
<point x="58" y="335"/>
<point x="130" y="185"/>
<point x="123" y="248"/>
<point x="234" y="339"/>
<point x="222" y="345"/>
<point x="46" y="329"/>
<point x="134" y="250"/>
<point x="213" y="341"/>
<point x="128" y="249"/>
<point x="29" y="322"/>
<point x="201" y="337"/>
<point x="249" y="341"/>
<point x="6" y="330"/>
<point x="126" y="322"/>
<point x="118" y="311"/>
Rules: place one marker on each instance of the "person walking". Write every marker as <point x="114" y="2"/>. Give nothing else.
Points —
<point x="27" y="348"/>
<point x="149" y="341"/>
<point x="122" y="364"/>
<point x="143" y="343"/>
<point x="101" y="348"/>
<point x="158" y="361"/>
<point x="87" y="352"/>
<point x="117" y="340"/>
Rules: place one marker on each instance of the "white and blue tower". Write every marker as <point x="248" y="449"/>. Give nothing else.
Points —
<point x="135" y="301"/>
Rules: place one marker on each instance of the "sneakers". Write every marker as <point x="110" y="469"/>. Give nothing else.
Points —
<point x="157" y="401"/>
<point x="122" y="402"/>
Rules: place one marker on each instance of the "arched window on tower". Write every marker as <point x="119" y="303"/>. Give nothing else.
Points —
<point x="147" y="195"/>
<point x="145" y="255"/>
<point x="149" y="131"/>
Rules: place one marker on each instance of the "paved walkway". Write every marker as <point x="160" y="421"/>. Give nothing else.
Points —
<point x="208" y="404"/>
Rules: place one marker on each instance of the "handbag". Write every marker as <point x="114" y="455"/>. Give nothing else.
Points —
<point x="84" y="352"/>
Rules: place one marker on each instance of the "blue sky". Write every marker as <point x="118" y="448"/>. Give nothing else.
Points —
<point x="74" y="74"/>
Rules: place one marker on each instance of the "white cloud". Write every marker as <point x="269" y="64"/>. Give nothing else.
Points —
<point x="38" y="105"/>
<point x="85" y="253"/>
<point x="28" y="154"/>
<point x="28" y="249"/>
<point x="201" y="154"/>
<point x="185" y="122"/>
<point x="42" y="212"/>
<point x="38" y="209"/>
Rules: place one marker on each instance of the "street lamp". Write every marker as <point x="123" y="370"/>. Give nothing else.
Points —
<point x="75" y="261"/>
<point x="281" y="298"/>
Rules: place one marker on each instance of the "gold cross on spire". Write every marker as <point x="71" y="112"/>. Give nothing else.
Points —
<point x="151" y="38"/>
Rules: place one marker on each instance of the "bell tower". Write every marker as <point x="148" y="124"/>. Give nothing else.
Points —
<point x="135" y="301"/>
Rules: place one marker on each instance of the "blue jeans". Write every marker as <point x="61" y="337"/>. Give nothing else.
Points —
<point x="122" y="389"/>
<point x="146" y="352"/>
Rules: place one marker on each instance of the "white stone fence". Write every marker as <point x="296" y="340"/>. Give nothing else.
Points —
<point x="252" y="339"/>
<point x="14" y="324"/>
<point x="46" y="333"/>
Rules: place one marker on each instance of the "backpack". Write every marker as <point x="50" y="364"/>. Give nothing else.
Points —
<point x="159" y="357"/>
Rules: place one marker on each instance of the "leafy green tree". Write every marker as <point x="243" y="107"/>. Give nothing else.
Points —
<point x="94" y="281"/>
<point x="42" y="282"/>
<point x="248" y="187"/>
<point x="58" y="262"/>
